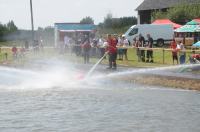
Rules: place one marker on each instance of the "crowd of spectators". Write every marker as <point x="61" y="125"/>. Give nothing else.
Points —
<point x="95" y="47"/>
<point x="116" y="46"/>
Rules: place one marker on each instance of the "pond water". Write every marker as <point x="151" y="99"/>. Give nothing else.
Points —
<point x="92" y="106"/>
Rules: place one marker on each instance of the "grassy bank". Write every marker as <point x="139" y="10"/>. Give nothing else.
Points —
<point x="131" y="62"/>
<point x="163" y="81"/>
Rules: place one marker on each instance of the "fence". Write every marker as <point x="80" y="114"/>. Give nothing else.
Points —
<point x="161" y="55"/>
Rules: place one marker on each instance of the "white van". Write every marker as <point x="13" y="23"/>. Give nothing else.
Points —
<point x="160" y="33"/>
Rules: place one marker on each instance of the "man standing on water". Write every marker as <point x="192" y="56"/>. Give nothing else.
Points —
<point x="112" y="52"/>
<point x="149" y="51"/>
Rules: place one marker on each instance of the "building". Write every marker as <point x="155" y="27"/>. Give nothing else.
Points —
<point x="72" y="30"/>
<point x="147" y="7"/>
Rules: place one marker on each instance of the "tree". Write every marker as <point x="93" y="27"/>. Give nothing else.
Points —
<point x="87" y="20"/>
<point x="158" y="15"/>
<point x="7" y="30"/>
<point x="180" y="13"/>
<point x="108" y="20"/>
<point x="183" y="13"/>
<point x="116" y="25"/>
<point x="11" y="26"/>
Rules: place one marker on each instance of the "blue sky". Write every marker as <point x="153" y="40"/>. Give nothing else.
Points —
<point x="47" y="12"/>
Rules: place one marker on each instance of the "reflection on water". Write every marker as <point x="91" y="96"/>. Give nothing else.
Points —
<point x="55" y="100"/>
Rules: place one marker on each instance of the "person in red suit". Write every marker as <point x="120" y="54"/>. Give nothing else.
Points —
<point x="173" y="46"/>
<point x="112" y="52"/>
<point x="14" y="52"/>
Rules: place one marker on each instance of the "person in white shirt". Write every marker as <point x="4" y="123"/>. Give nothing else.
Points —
<point x="125" y="45"/>
<point x="182" y="53"/>
<point x="101" y="47"/>
<point x="66" y="43"/>
<point x="120" y="50"/>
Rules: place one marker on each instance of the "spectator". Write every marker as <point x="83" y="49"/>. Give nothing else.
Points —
<point x="36" y="46"/>
<point x="86" y="50"/>
<point x="137" y="45"/>
<point x="94" y="47"/>
<point x="26" y="45"/>
<point x="173" y="46"/>
<point x="182" y="53"/>
<point x="120" y="48"/>
<point x="194" y="58"/>
<point x="101" y="47"/>
<point x="134" y="42"/>
<point x="112" y="52"/>
<point x="41" y="45"/>
<point x="142" y="44"/>
<point x="22" y="52"/>
<point x="149" y="46"/>
<point x="61" y="47"/>
<point x="14" y="52"/>
<point x="125" y="45"/>
<point x="66" y="43"/>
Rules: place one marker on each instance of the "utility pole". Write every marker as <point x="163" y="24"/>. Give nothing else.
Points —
<point x="32" y="24"/>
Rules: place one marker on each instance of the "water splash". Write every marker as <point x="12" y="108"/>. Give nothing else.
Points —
<point x="56" y="74"/>
<point x="94" y="67"/>
<point x="176" y="68"/>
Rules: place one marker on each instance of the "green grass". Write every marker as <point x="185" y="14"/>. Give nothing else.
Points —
<point x="11" y="43"/>
<point x="158" y="59"/>
<point x="51" y="53"/>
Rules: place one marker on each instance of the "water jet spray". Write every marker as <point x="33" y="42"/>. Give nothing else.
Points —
<point x="94" y="67"/>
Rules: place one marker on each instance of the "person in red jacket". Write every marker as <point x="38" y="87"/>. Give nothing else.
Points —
<point x="112" y="52"/>
<point x="14" y="52"/>
<point x="173" y="46"/>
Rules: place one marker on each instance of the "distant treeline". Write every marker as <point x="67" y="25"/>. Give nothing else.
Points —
<point x="115" y="25"/>
<point x="111" y="25"/>
<point x="10" y="32"/>
<point x="110" y="22"/>
<point x="7" y="29"/>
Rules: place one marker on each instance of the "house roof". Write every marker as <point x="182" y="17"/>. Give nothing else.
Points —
<point x="70" y="27"/>
<point x="162" y="4"/>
